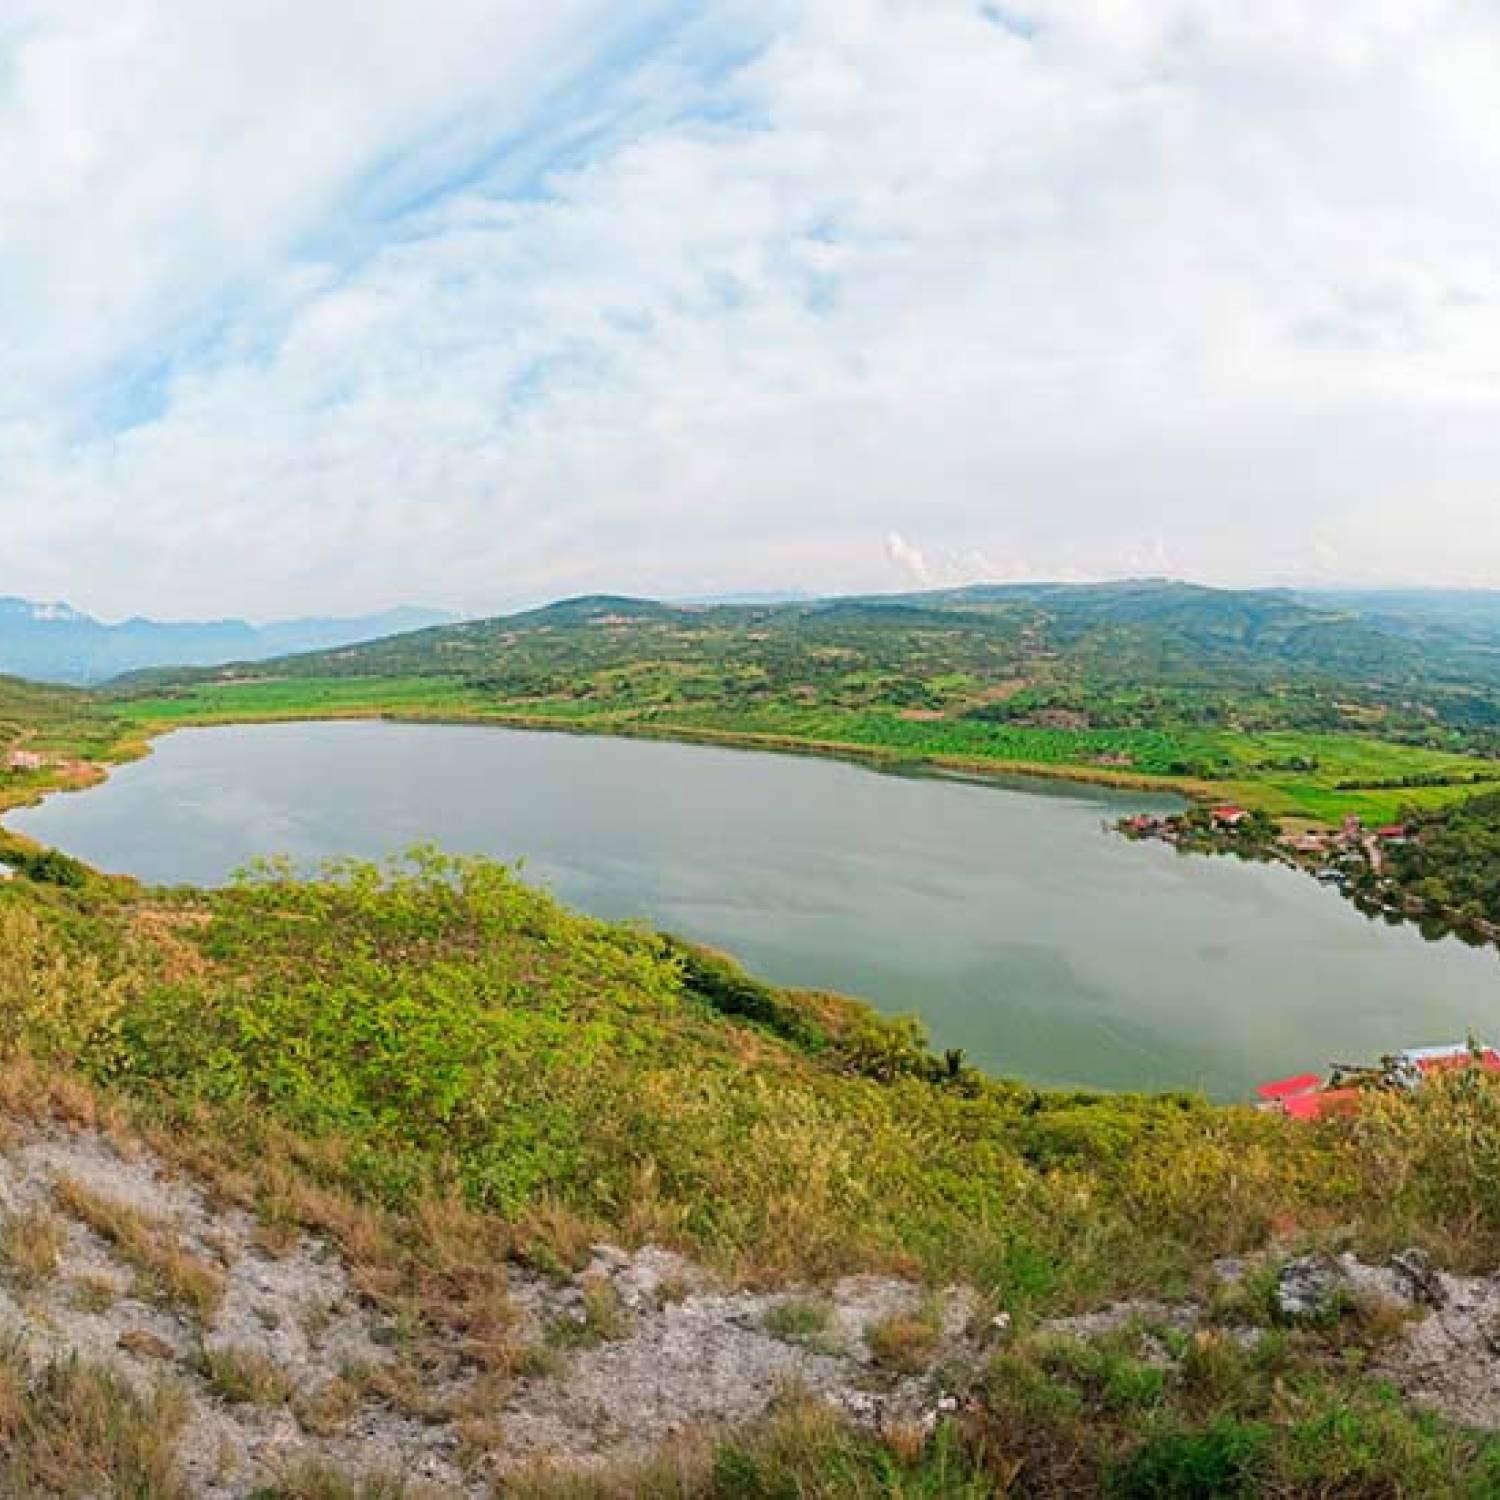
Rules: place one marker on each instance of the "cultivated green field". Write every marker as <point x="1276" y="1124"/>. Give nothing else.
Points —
<point x="299" y="698"/>
<point x="1342" y="773"/>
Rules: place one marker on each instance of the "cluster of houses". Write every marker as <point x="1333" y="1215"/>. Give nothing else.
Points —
<point x="1177" y="828"/>
<point x="1352" y="836"/>
<point x="1311" y="1096"/>
<point x="1335" y="857"/>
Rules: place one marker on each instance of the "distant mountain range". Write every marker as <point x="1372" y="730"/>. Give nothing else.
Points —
<point x="1143" y="633"/>
<point x="52" y="642"/>
<point x="1141" y="630"/>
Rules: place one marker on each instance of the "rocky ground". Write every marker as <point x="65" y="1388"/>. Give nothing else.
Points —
<point x="109" y="1256"/>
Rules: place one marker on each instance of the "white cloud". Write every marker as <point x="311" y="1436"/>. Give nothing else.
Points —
<point x="475" y="303"/>
<point x="908" y="560"/>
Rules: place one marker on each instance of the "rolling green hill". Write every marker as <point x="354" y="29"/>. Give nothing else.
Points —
<point x="1302" y="708"/>
<point x="1081" y="640"/>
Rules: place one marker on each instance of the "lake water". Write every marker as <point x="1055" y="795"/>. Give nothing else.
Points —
<point x="1006" y="916"/>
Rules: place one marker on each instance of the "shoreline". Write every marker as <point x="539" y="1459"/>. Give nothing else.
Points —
<point x="140" y="741"/>
<point x="892" y="762"/>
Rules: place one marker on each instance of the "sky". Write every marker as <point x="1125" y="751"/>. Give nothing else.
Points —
<point x="478" y="303"/>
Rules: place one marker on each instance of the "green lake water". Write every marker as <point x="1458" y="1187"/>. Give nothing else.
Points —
<point x="1007" y="917"/>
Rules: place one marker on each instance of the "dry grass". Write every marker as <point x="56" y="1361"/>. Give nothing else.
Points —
<point x="145" y="1345"/>
<point x="244" y="1377"/>
<point x="803" y="1449"/>
<point x="602" y="1319"/>
<point x="48" y="1094"/>
<point x="316" y="1479"/>
<point x="682" y="1469"/>
<point x="95" y="1294"/>
<point x="458" y="1280"/>
<point x="399" y="1384"/>
<point x="31" y="1244"/>
<point x="72" y="1429"/>
<point x="149" y="1245"/>
<point x="553" y="1239"/>
<point x="481" y="1428"/>
<point x="806" y="1321"/>
<point x="328" y="1409"/>
<point x="904" y="1342"/>
<point x="906" y="1439"/>
<point x="438" y="1270"/>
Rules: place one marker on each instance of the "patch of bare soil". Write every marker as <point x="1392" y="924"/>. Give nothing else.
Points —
<point x="690" y="1355"/>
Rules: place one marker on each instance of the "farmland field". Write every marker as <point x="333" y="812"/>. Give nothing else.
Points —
<point x="1342" y="773"/>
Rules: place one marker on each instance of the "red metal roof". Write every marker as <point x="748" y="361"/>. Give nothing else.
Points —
<point x="1285" y="1088"/>
<point x="1445" y="1062"/>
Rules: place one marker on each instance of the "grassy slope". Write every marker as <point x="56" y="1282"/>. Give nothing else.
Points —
<point x="76" y="734"/>
<point x="45" y="718"/>
<point x="358" y="1054"/>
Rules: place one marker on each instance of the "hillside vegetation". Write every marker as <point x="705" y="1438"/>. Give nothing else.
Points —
<point x="1451" y="860"/>
<point x="1301" y="709"/>
<point x="54" y="720"/>
<point x="66" y="738"/>
<point x="441" y="1071"/>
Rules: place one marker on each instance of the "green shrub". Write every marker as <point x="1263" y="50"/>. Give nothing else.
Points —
<point x="1218" y="1462"/>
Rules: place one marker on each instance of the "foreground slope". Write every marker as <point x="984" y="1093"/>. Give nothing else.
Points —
<point x="398" y="1113"/>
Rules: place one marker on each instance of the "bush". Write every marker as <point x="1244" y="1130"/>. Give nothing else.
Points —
<point x="1218" y="1462"/>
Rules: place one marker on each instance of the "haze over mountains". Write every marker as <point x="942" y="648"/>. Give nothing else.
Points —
<point x="52" y="642"/>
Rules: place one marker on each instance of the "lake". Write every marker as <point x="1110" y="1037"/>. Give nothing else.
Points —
<point x="1005" y="915"/>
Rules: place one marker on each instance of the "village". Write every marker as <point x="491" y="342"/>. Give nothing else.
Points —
<point x="1353" y="858"/>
